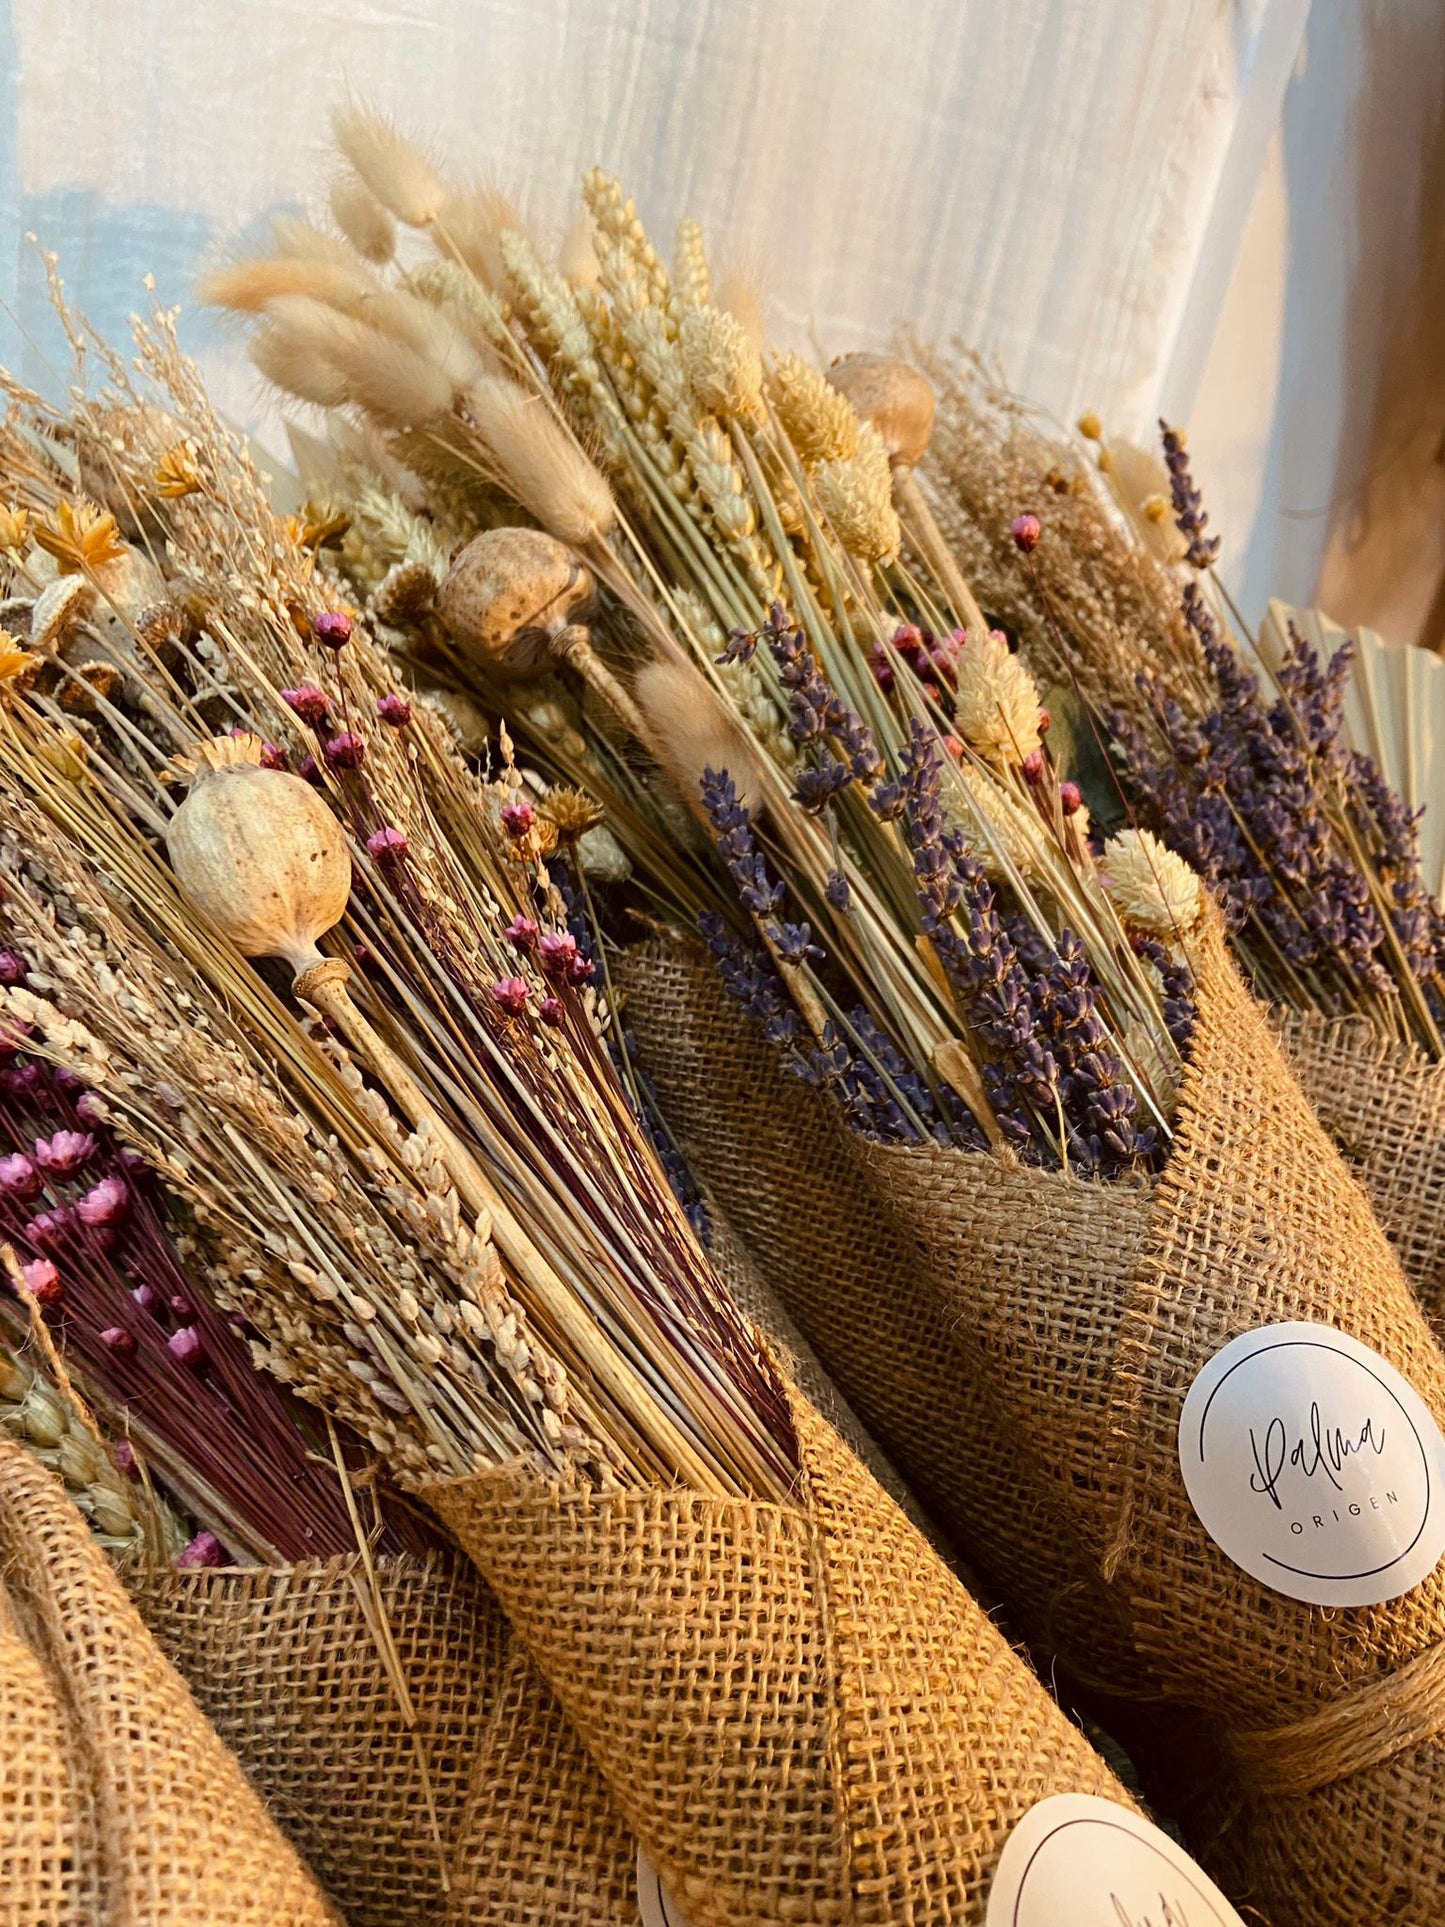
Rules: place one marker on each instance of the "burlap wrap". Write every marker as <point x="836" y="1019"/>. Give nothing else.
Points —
<point x="801" y="1712"/>
<point x="1082" y="1313"/>
<point x="1384" y="1105"/>
<point x="119" y="1805"/>
<point x="785" y="1170"/>
<point x="287" y="1667"/>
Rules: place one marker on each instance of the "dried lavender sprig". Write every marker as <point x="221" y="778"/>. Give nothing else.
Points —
<point x="1189" y="515"/>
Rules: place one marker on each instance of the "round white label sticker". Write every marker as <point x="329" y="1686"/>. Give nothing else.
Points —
<point x="1075" y="1861"/>
<point x="655" y="1905"/>
<point x="1315" y="1466"/>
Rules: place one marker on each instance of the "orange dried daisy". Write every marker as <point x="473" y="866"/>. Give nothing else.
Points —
<point x="81" y="537"/>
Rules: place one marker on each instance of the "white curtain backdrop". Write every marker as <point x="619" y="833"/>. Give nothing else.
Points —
<point x="1061" y="183"/>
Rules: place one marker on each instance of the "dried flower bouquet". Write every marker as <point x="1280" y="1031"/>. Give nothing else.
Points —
<point x="434" y="1207"/>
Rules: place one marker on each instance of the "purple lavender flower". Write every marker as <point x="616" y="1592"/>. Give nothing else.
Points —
<point x="1189" y="516"/>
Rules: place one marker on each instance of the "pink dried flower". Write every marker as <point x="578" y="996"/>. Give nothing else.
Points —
<point x="123" y="1455"/>
<point x="557" y="949"/>
<point x="48" y="1228"/>
<point x="1033" y="765"/>
<point x="309" y="770"/>
<point x="181" y="1306"/>
<point x="308" y="702"/>
<point x="1026" y="532"/>
<point x="104" y="1203"/>
<point x="146" y="1296"/>
<point x="388" y="845"/>
<point x="273" y="757"/>
<point x="19" y="1177"/>
<point x="42" y="1280"/>
<point x="13" y="967"/>
<point x="117" y="1339"/>
<point x="522" y="932"/>
<point x="25" y="1080"/>
<point x="332" y="628"/>
<point x="346" y="751"/>
<point x="65" y="1152"/>
<point x="394" y="710"/>
<point x="184" y="1345"/>
<point x="92" y="1108"/>
<point x="203" y="1551"/>
<point x="517" y="818"/>
<point x="512" y="994"/>
<point x="551" y="1010"/>
<point x="1071" y="798"/>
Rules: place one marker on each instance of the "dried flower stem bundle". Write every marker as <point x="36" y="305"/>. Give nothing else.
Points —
<point x="741" y="481"/>
<point x="446" y="1342"/>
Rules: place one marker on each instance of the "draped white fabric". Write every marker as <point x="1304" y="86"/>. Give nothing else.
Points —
<point x="1061" y="183"/>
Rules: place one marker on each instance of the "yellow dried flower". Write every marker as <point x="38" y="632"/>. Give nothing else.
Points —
<point x="996" y="703"/>
<point x="315" y="528"/>
<point x="1090" y="427"/>
<point x="14" y="529"/>
<point x="18" y="666"/>
<point x="81" y="537"/>
<point x="177" y="474"/>
<point x="1150" y="885"/>
<point x="1106" y="462"/>
<point x="1155" y="508"/>
<point x="857" y="498"/>
<point x="572" y="813"/>
<point x="821" y="423"/>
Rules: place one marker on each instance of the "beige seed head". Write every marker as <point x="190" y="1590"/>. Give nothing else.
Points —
<point x="856" y="495"/>
<point x="259" y="853"/>
<point x="996" y="701"/>
<point x="470" y="229"/>
<point x="1151" y="886"/>
<point x="291" y="362"/>
<point x="510" y="594"/>
<point x="821" y="423"/>
<point x="393" y="168"/>
<point x="691" y="276"/>
<point x="896" y="398"/>
<point x="724" y="369"/>
<point x="383" y="374"/>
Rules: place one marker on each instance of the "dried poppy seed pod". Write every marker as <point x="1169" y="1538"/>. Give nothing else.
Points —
<point x="258" y="852"/>
<point x="519" y="601"/>
<point x="510" y="595"/>
<point x="894" y="397"/>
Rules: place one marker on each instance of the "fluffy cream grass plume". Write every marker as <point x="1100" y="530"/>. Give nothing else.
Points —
<point x="1151" y="886"/>
<point x="469" y="229"/>
<point x="383" y="374"/>
<point x="250" y="287"/>
<point x="367" y="225"/>
<point x="690" y="731"/>
<point x="291" y="362"/>
<point x="577" y="261"/>
<point x="427" y="328"/>
<point x="996" y="701"/>
<point x="392" y="167"/>
<point x="540" y="463"/>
